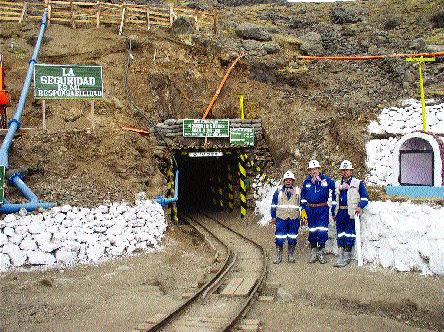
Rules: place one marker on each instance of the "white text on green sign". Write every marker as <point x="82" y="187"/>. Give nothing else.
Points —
<point x="68" y="82"/>
<point x="206" y="128"/>
<point x="206" y="154"/>
<point x="242" y="136"/>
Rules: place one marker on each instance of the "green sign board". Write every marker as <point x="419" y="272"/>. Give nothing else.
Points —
<point x="68" y="82"/>
<point x="242" y="136"/>
<point x="2" y="183"/>
<point x="206" y="128"/>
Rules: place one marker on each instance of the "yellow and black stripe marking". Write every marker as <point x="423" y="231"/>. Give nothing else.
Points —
<point x="171" y="192"/>
<point x="243" y="188"/>
<point x="220" y="192"/>
<point x="230" y="189"/>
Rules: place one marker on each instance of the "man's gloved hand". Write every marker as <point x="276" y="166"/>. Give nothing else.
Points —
<point x="304" y="217"/>
<point x="273" y="221"/>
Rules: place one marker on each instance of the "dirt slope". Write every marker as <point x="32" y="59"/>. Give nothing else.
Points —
<point x="309" y="109"/>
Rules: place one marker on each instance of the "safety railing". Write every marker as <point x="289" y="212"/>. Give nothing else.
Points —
<point x="83" y="13"/>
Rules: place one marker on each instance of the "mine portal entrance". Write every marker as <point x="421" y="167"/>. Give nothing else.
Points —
<point x="207" y="180"/>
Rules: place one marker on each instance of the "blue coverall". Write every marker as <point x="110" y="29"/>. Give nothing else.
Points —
<point x="288" y="228"/>
<point x="345" y="226"/>
<point x="316" y="193"/>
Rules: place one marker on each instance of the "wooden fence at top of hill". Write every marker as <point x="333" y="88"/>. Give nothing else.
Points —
<point x="98" y="13"/>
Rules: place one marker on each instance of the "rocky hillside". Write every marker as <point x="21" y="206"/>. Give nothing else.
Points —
<point x="317" y="109"/>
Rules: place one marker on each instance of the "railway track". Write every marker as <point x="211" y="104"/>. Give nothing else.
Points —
<point x="221" y="303"/>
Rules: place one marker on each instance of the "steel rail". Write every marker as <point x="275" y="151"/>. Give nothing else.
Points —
<point x="259" y="281"/>
<point x="210" y="285"/>
<point x="215" y="279"/>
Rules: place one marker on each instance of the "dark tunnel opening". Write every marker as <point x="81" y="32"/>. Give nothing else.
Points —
<point x="204" y="180"/>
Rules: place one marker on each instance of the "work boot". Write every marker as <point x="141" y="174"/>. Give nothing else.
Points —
<point x="340" y="260"/>
<point x="278" y="258"/>
<point x="313" y="255"/>
<point x="291" y="256"/>
<point x="347" y="257"/>
<point x="321" y="256"/>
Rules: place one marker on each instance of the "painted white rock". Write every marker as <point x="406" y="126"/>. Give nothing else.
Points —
<point x="17" y="256"/>
<point x="3" y="239"/>
<point x="40" y="258"/>
<point x="9" y="218"/>
<point x="65" y="257"/>
<point x="5" y="262"/>
<point x="28" y="244"/>
<point x="9" y="231"/>
<point x="95" y="252"/>
<point x="35" y="228"/>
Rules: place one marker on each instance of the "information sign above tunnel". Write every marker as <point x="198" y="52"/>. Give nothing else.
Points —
<point x="242" y="136"/>
<point x="206" y="128"/>
<point x="68" y="82"/>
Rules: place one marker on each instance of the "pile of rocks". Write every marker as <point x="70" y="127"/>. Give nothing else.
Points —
<point x="67" y="235"/>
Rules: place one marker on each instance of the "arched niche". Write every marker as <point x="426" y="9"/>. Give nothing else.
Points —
<point x="417" y="161"/>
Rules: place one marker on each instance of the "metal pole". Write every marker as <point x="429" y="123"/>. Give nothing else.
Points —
<point x="421" y="88"/>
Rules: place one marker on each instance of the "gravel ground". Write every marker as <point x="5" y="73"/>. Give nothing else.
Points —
<point x="113" y="296"/>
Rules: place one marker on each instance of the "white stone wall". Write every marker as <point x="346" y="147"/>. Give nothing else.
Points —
<point x="401" y="236"/>
<point x="67" y="235"/>
<point x="408" y="118"/>
<point x="397" y="120"/>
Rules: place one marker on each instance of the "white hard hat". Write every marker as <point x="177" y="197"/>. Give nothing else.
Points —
<point x="346" y="164"/>
<point x="314" y="164"/>
<point x="288" y="175"/>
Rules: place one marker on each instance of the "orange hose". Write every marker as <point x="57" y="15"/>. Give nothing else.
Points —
<point x="221" y="85"/>
<point x="369" y="57"/>
<point x="136" y="130"/>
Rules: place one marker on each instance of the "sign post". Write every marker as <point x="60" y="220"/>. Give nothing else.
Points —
<point x="421" y="60"/>
<point x="81" y="82"/>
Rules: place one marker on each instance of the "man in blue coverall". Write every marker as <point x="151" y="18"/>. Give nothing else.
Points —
<point x="353" y="197"/>
<point x="285" y="212"/>
<point x="314" y="196"/>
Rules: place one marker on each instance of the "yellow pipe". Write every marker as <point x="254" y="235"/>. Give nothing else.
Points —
<point x="421" y="88"/>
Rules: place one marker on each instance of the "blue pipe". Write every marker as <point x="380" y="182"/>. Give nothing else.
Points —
<point x="17" y="181"/>
<point x="14" y="124"/>
<point x="165" y="201"/>
<point x="30" y="206"/>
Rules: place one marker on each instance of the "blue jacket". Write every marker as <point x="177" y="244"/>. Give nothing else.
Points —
<point x="318" y="192"/>
<point x="274" y="201"/>
<point x="362" y="192"/>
